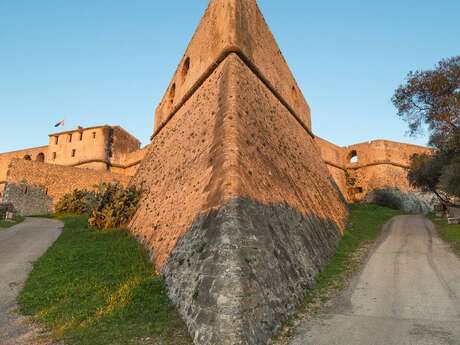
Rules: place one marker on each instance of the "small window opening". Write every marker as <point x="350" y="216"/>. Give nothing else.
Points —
<point x="353" y="157"/>
<point x="172" y="93"/>
<point x="54" y="155"/>
<point x="74" y="152"/>
<point x="56" y="140"/>
<point x="94" y="135"/>
<point x="81" y="136"/>
<point x="185" y="67"/>
<point x="27" y="158"/>
<point x="70" y="138"/>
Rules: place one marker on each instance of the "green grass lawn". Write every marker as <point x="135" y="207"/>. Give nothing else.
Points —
<point x="365" y="226"/>
<point x="98" y="288"/>
<point x="8" y="224"/>
<point x="449" y="232"/>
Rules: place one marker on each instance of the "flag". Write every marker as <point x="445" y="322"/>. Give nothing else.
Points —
<point x="60" y="123"/>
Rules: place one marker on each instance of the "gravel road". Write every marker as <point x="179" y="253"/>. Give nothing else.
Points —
<point x="407" y="294"/>
<point x="20" y="246"/>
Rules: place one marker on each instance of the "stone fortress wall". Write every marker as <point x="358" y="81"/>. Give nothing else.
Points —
<point x="30" y="182"/>
<point x="358" y="169"/>
<point x="242" y="204"/>
<point x="101" y="148"/>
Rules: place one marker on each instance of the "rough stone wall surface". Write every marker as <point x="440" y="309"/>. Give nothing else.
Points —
<point x="128" y="163"/>
<point x="58" y="180"/>
<point x="232" y="26"/>
<point x="122" y="144"/>
<point x="241" y="156"/>
<point x="380" y="164"/>
<point x="28" y="200"/>
<point x="385" y="151"/>
<point x="5" y="158"/>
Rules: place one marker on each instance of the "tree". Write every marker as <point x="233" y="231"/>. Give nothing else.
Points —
<point x="450" y="178"/>
<point x="432" y="98"/>
<point x="426" y="171"/>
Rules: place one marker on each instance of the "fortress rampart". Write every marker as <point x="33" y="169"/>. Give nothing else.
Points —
<point x="242" y="204"/>
<point x="360" y="168"/>
<point x="55" y="180"/>
<point x="101" y="148"/>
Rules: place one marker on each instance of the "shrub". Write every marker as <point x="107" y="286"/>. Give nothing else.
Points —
<point x="115" y="206"/>
<point x="4" y="208"/>
<point x="77" y="202"/>
<point x="388" y="198"/>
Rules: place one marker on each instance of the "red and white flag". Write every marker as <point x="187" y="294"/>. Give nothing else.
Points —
<point x="60" y="123"/>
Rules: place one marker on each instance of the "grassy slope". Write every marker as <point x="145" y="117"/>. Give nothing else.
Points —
<point x="449" y="232"/>
<point x="365" y="226"/>
<point x="8" y="224"/>
<point x="97" y="288"/>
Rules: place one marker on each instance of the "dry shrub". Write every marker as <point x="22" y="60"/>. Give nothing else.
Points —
<point x="77" y="202"/>
<point x="115" y="206"/>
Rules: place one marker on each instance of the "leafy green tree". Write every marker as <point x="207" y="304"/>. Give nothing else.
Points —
<point x="432" y="98"/>
<point x="425" y="173"/>
<point x="450" y="178"/>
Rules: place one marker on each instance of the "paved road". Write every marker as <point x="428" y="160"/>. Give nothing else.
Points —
<point x="407" y="294"/>
<point x="20" y="246"/>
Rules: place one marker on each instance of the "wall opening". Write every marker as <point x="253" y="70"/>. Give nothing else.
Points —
<point x="353" y="157"/>
<point x="185" y="68"/>
<point x="40" y="157"/>
<point x="70" y="138"/>
<point x="74" y="152"/>
<point x="94" y="135"/>
<point x="172" y="93"/>
<point x="56" y="140"/>
<point x="27" y="158"/>
<point x="81" y="136"/>
<point x="54" y="156"/>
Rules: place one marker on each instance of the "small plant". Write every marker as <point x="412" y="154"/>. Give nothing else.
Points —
<point x="115" y="206"/>
<point x="77" y="202"/>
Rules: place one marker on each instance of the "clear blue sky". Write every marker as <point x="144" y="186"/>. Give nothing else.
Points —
<point x="105" y="61"/>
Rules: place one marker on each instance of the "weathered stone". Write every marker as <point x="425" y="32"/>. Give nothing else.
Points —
<point x="376" y="165"/>
<point x="240" y="212"/>
<point x="54" y="180"/>
<point x="28" y="200"/>
<point x="241" y="270"/>
<point x="408" y="202"/>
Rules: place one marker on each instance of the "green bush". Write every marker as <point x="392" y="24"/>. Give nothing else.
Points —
<point x="388" y="198"/>
<point x="115" y="206"/>
<point x="77" y="202"/>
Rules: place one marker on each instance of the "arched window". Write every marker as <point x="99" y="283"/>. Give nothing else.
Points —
<point x="27" y="158"/>
<point x="353" y="157"/>
<point x="185" y="68"/>
<point x="40" y="157"/>
<point x="172" y="93"/>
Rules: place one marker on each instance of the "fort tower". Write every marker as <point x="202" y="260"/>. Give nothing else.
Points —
<point x="239" y="210"/>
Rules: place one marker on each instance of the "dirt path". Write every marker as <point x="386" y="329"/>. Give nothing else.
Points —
<point x="408" y="293"/>
<point x="20" y="246"/>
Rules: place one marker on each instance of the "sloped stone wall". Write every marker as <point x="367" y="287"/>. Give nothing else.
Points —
<point x="58" y="180"/>
<point x="28" y="200"/>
